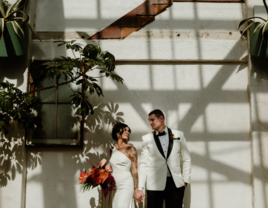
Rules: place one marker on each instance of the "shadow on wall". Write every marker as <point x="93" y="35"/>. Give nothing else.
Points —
<point x="13" y="68"/>
<point x="60" y="168"/>
<point x="95" y="149"/>
<point x="12" y="155"/>
<point x="259" y="66"/>
<point x="92" y="201"/>
<point x="259" y="87"/>
<point x="108" y="113"/>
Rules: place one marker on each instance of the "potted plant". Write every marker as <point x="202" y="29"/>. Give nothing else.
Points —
<point x="258" y="31"/>
<point x="14" y="26"/>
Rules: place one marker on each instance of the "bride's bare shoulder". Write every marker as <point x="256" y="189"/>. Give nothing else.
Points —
<point x="130" y="148"/>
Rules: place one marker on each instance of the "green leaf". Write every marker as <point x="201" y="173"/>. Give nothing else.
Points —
<point x="11" y="7"/>
<point x="17" y="29"/>
<point x="117" y="78"/>
<point x="264" y="30"/>
<point x="251" y="24"/>
<point x="109" y="60"/>
<point x="21" y="4"/>
<point x="33" y="31"/>
<point x="25" y="16"/>
<point x="2" y="10"/>
<point x="2" y="27"/>
<point x="258" y="27"/>
<point x="245" y="20"/>
<point x="265" y="5"/>
<point x="91" y="51"/>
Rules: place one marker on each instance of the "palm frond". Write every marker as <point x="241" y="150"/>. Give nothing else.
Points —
<point x="109" y="60"/>
<point x="91" y="51"/>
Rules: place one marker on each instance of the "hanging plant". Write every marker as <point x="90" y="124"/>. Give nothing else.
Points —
<point x="258" y="30"/>
<point x="14" y="25"/>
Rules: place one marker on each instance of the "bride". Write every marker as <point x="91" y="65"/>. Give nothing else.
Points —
<point x="123" y="162"/>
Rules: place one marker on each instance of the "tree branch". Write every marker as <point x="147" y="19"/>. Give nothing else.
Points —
<point x="99" y="77"/>
<point x="54" y="86"/>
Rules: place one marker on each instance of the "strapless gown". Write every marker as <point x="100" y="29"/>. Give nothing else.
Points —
<point x="124" y="192"/>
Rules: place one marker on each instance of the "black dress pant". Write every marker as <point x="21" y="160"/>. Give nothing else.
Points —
<point x="172" y="195"/>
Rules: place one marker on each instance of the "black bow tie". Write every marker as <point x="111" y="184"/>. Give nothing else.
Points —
<point x="161" y="133"/>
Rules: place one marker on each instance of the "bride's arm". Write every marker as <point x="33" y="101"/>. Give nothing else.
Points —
<point x="108" y="166"/>
<point x="132" y="154"/>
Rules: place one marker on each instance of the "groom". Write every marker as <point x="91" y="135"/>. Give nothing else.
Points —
<point x="162" y="152"/>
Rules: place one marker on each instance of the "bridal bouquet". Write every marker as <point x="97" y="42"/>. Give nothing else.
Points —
<point x="98" y="176"/>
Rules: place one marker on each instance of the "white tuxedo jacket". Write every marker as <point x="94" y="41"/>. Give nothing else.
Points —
<point x="153" y="165"/>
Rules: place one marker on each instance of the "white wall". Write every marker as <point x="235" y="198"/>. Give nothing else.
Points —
<point x="258" y="93"/>
<point x="209" y="102"/>
<point x="80" y="15"/>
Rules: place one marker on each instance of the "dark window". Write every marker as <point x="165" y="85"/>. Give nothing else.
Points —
<point x="62" y="124"/>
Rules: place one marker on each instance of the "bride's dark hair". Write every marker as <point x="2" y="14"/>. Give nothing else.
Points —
<point x="118" y="127"/>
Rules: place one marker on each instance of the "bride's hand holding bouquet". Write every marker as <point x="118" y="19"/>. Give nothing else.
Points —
<point x="107" y="167"/>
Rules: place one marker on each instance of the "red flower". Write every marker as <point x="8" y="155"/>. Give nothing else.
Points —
<point x="108" y="186"/>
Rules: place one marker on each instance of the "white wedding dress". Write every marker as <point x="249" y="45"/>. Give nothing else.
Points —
<point x="124" y="191"/>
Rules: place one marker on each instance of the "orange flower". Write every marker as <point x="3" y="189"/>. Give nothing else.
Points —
<point x="102" y="171"/>
<point x="97" y="180"/>
<point x="104" y="176"/>
<point x="83" y="177"/>
<point x="90" y="172"/>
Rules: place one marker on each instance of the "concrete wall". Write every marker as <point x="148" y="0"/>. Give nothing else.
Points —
<point x="187" y="63"/>
<point x="258" y="94"/>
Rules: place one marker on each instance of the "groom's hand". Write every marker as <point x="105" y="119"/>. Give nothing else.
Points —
<point x="139" y="196"/>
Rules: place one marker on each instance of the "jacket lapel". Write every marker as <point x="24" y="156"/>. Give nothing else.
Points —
<point x="158" y="144"/>
<point x="170" y="145"/>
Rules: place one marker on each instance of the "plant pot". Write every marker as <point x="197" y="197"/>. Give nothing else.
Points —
<point x="258" y="46"/>
<point x="11" y="44"/>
